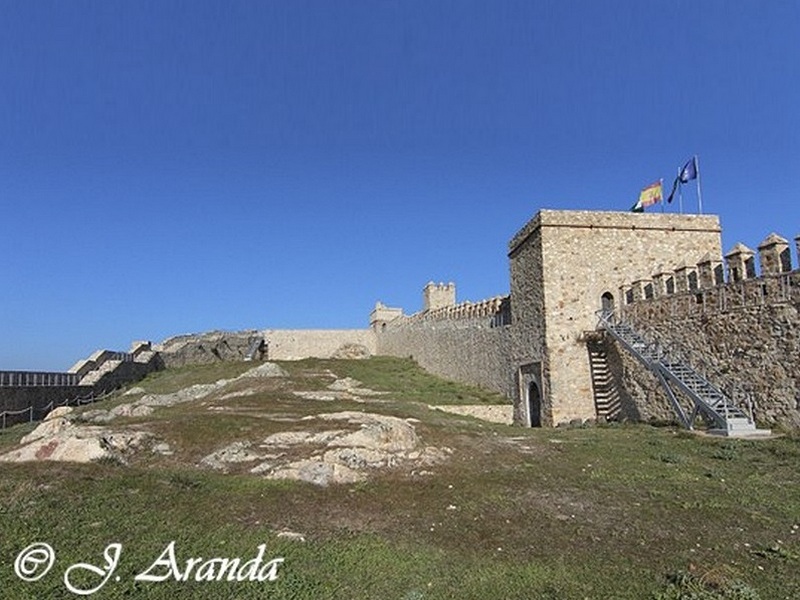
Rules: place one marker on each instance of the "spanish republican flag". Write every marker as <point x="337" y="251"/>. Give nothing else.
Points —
<point x="650" y="195"/>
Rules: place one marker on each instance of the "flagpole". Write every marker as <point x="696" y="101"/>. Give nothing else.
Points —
<point x="680" y="191"/>
<point x="699" y="194"/>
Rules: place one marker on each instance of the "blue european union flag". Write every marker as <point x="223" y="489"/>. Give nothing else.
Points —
<point x="689" y="170"/>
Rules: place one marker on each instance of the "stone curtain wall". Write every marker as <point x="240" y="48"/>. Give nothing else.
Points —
<point x="281" y="344"/>
<point x="469" y="349"/>
<point x="294" y="344"/>
<point x="745" y="334"/>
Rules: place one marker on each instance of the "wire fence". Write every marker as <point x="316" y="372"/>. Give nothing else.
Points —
<point x="32" y="413"/>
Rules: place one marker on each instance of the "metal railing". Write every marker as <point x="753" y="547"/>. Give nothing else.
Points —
<point x="691" y="374"/>
<point x="740" y="396"/>
<point x="37" y="378"/>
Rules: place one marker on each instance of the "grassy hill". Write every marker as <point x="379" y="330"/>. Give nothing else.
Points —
<point x="605" y="512"/>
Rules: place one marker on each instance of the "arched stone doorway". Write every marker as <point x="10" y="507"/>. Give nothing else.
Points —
<point x="534" y="404"/>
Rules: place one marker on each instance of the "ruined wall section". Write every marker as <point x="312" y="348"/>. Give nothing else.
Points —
<point x="280" y="344"/>
<point x="206" y="348"/>
<point x="467" y="342"/>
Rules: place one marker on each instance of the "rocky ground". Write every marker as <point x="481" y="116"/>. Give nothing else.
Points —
<point x="322" y="448"/>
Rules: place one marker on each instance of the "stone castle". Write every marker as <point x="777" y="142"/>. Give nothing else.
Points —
<point x="664" y="274"/>
<point x="530" y="346"/>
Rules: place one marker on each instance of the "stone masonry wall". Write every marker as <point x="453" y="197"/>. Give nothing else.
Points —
<point x="641" y="396"/>
<point x="745" y="335"/>
<point x="473" y="350"/>
<point x="530" y="359"/>
<point x="293" y="344"/>
<point x="587" y="254"/>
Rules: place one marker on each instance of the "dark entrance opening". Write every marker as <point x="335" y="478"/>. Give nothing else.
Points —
<point x="534" y="404"/>
<point x="607" y="303"/>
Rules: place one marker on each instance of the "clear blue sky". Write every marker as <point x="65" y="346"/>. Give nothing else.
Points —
<point x="172" y="167"/>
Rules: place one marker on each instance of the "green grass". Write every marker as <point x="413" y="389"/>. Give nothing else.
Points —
<point x="626" y="512"/>
<point x="404" y="378"/>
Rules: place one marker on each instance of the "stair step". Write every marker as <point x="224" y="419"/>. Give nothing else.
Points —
<point x="692" y="382"/>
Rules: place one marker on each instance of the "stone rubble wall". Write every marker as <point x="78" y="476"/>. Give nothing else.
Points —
<point x="641" y="397"/>
<point x="751" y="347"/>
<point x="205" y="348"/>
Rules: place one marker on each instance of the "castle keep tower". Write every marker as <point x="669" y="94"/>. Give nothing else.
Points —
<point x="567" y="265"/>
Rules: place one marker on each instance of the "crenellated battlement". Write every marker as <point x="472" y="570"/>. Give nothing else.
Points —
<point x="539" y="346"/>
<point x="497" y="309"/>
<point x="724" y="283"/>
<point x="465" y="341"/>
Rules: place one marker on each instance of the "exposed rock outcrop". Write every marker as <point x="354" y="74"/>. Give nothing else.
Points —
<point x="341" y="389"/>
<point x="330" y="448"/>
<point x="211" y="347"/>
<point x="59" y="438"/>
<point x="145" y="405"/>
<point x="334" y="456"/>
<point x="352" y="352"/>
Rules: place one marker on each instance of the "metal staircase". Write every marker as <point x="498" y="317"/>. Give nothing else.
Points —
<point x="728" y="417"/>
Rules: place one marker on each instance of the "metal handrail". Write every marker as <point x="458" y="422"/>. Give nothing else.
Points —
<point x="732" y="400"/>
<point x="37" y="379"/>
